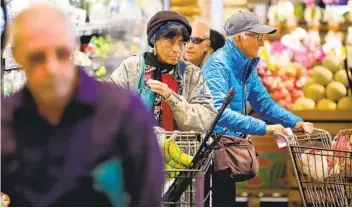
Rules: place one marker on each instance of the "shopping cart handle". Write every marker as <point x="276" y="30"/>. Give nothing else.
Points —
<point x="298" y="130"/>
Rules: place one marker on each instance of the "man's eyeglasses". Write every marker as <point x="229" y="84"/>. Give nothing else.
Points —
<point x="61" y="54"/>
<point x="197" y="40"/>
<point x="259" y="37"/>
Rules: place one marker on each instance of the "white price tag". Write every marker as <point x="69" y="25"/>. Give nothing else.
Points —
<point x="281" y="142"/>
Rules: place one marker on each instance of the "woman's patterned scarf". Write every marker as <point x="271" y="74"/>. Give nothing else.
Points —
<point x="156" y="68"/>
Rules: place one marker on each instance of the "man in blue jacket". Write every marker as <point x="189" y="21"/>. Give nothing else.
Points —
<point x="234" y="65"/>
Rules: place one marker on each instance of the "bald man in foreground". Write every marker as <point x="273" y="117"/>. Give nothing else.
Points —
<point x="198" y="47"/>
<point x="66" y="139"/>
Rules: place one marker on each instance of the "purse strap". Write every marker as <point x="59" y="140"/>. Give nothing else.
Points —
<point x="141" y="80"/>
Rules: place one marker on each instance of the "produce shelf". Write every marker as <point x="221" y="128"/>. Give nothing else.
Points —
<point x="327" y="116"/>
<point x="93" y="28"/>
<point x="262" y="193"/>
<point x="323" y="30"/>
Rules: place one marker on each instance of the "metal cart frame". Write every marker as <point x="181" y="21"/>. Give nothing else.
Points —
<point x="198" y="193"/>
<point x="323" y="174"/>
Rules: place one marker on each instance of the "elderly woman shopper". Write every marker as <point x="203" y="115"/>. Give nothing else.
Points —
<point x="174" y="89"/>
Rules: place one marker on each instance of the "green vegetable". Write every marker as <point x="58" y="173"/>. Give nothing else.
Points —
<point x="100" y="72"/>
<point x="276" y="16"/>
<point x="299" y="10"/>
<point x="314" y="13"/>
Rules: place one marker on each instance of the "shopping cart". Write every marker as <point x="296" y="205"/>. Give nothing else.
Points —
<point x="323" y="172"/>
<point x="197" y="193"/>
<point x="200" y="162"/>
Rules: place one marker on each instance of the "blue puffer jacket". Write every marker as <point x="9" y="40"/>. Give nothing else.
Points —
<point x="228" y="67"/>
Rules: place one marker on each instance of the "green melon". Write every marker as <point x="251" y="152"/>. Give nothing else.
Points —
<point x="345" y="103"/>
<point x="322" y="75"/>
<point x="332" y="63"/>
<point x="335" y="91"/>
<point x="326" y="104"/>
<point x="304" y="104"/>
<point x="315" y="92"/>
<point x="341" y="76"/>
<point x="307" y="83"/>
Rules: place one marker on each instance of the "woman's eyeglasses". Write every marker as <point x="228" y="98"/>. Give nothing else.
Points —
<point x="197" y="40"/>
<point x="171" y="43"/>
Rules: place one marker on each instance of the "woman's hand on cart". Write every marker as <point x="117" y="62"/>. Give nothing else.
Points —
<point x="306" y="126"/>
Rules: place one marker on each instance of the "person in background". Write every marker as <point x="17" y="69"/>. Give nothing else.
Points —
<point x="5" y="199"/>
<point x="217" y="40"/>
<point x="3" y="31"/>
<point x="67" y="139"/>
<point x="181" y="94"/>
<point x="234" y="65"/>
<point x="197" y="49"/>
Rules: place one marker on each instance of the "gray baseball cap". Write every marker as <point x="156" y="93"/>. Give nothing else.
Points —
<point x="246" y="21"/>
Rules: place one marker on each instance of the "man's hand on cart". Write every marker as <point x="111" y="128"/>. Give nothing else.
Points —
<point x="306" y="126"/>
<point x="277" y="128"/>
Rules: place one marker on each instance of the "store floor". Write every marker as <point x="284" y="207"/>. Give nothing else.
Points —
<point x="264" y="204"/>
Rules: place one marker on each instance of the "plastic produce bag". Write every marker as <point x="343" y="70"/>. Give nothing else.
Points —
<point x="342" y="154"/>
<point x="315" y="164"/>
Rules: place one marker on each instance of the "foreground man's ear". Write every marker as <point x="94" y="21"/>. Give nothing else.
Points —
<point x="5" y="200"/>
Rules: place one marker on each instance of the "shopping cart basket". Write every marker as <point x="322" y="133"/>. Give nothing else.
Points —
<point x="323" y="172"/>
<point x="198" y="191"/>
<point x="180" y="184"/>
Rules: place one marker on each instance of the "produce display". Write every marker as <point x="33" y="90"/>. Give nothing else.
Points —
<point x="302" y="68"/>
<point x="13" y="81"/>
<point x="95" y="51"/>
<point x="327" y="88"/>
<point x="98" y="46"/>
<point x="285" y="14"/>
<point x="303" y="73"/>
<point x="283" y="83"/>
<point x="285" y="65"/>
<point x="109" y="24"/>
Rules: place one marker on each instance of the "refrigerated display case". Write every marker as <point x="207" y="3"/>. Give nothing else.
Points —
<point x="122" y="22"/>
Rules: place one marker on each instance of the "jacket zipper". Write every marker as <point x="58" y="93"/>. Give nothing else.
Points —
<point x="248" y="71"/>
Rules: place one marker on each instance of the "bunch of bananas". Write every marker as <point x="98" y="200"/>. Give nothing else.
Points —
<point x="174" y="157"/>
